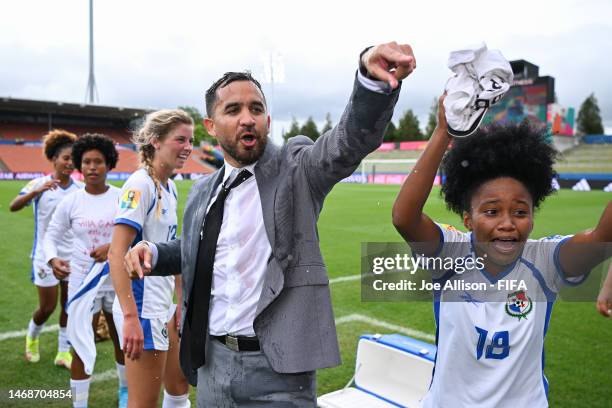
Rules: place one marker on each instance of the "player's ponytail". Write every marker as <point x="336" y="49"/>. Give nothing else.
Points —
<point x="157" y="125"/>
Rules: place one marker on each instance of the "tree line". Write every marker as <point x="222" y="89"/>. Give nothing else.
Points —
<point x="408" y="128"/>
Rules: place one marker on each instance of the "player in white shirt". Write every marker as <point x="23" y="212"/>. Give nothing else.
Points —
<point x="46" y="193"/>
<point x="490" y="339"/>
<point x="89" y="213"/>
<point x="143" y="310"/>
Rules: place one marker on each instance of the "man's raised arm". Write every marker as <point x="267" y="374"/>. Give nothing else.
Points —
<point x="336" y="154"/>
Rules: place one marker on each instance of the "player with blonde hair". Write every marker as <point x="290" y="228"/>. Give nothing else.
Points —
<point x="143" y="309"/>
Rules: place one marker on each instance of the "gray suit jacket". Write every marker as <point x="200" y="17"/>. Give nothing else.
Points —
<point x="294" y="319"/>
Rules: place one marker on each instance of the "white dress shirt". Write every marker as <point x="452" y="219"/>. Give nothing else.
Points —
<point x="243" y="250"/>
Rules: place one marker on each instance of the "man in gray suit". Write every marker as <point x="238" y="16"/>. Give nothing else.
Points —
<point x="257" y="316"/>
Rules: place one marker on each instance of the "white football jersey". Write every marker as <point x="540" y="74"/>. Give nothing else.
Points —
<point x="490" y="329"/>
<point x="91" y="218"/>
<point x="44" y="207"/>
<point x="138" y="209"/>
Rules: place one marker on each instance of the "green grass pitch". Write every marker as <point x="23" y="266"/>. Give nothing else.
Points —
<point x="578" y="347"/>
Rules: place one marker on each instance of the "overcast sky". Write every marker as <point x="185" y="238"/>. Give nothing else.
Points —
<point x="162" y="54"/>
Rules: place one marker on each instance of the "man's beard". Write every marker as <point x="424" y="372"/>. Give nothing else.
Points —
<point x="246" y="156"/>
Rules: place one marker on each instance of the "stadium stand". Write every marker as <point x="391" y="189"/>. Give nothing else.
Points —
<point x="23" y="122"/>
<point x="30" y="159"/>
<point x="589" y="158"/>
<point x="34" y="132"/>
<point x="23" y="159"/>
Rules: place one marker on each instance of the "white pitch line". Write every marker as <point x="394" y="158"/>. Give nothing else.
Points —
<point x="111" y="374"/>
<point x="22" y="333"/>
<point x="389" y="326"/>
<point x="345" y="279"/>
<point x="55" y="327"/>
<point x="104" y="376"/>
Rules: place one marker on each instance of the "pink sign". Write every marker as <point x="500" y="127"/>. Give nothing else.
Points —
<point x="393" y="179"/>
<point x="416" y="145"/>
<point x="385" y="147"/>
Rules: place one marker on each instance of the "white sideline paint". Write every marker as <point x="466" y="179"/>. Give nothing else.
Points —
<point x="55" y="327"/>
<point x="22" y="333"/>
<point x="104" y="376"/>
<point x="110" y="374"/>
<point x="386" y="325"/>
<point x="348" y="278"/>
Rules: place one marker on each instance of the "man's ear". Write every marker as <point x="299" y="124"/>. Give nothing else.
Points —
<point x="209" y="124"/>
<point x="269" y="121"/>
<point x="467" y="220"/>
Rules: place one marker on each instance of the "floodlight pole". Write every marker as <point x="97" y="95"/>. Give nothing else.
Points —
<point x="91" y="94"/>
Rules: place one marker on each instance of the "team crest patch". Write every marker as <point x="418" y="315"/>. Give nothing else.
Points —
<point x="130" y="199"/>
<point x="519" y="305"/>
<point x="164" y="331"/>
<point x="42" y="274"/>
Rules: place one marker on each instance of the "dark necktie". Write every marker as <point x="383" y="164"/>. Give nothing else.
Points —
<point x="199" y="299"/>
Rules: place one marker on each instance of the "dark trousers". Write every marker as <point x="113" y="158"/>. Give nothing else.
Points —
<point x="236" y="379"/>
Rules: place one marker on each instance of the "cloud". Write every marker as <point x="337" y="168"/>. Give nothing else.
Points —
<point x="156" y="54"/>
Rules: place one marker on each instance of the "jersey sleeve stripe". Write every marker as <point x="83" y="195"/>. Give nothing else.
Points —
<point x="131" y="223"/>
<point x="574" y="281"/>
<point x="550" y="295"/>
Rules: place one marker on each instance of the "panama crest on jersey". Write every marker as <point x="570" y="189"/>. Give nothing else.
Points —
<point x="519" y="304"/>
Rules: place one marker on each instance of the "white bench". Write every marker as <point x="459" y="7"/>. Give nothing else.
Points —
<point x="390" y="371"/>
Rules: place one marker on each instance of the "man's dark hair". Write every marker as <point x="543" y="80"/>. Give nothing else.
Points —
<point x="226" y="79"/>
<point x="94" y="141"/>
<point x="517" y="150"/>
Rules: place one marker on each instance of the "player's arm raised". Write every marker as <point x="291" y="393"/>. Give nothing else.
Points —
<point x="587" y="249"/>
<point x="408" y="217"/>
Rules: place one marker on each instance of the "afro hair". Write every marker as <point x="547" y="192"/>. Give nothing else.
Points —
<point x="94" y="141"/>
<point x="55" y="141"/>
<point x="515" y="150"/>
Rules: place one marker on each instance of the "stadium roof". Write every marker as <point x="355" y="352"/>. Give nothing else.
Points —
<point x="29" y="106"/>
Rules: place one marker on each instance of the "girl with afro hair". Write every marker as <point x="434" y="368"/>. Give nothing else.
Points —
<point x="45" y="193"/>
<point x="492" y="315"/>
<point x="89" y="214"/>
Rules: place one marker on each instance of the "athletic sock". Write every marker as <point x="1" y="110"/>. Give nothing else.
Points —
<point x="34" y="329"/>
<point x="121" y="375"/>
<point x="80" y="392"/>
<point x="62" y="340"/>
<point x="176" y="401"/>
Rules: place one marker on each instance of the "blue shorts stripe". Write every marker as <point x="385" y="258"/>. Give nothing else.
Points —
<point x="138" y="290"/>
<point x="149" y="344"/>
